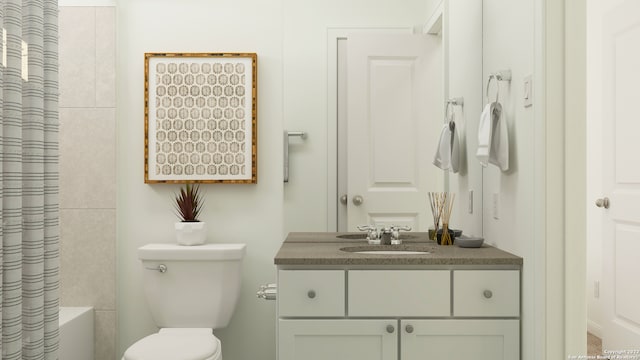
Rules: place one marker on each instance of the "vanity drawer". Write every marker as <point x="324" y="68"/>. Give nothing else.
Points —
<point x="395" y="293"/>
<point x="312" y="293"/>
<point x="486" y="293"/>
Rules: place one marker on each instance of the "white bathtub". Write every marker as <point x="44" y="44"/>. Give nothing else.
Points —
<point x="76" y="333"/>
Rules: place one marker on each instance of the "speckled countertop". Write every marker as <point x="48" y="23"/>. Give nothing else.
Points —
<point x="301" y="248"/>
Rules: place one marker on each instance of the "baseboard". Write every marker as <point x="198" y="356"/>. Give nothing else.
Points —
<point x="594" y="328"/>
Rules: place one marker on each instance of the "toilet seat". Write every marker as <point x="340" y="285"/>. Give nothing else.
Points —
<point x="176" y="344"/>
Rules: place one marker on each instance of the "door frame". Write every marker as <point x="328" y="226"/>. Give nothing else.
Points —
<point x="560" y="71"/>
<point x="575" y="177"/>
<point x="333" y="35"/>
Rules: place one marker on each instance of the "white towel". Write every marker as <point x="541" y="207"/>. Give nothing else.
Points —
<point x="493" y="137"/>
<point x="484" y="135"/>
<point x="499" y="153"/>
<point x="448" y="152"/>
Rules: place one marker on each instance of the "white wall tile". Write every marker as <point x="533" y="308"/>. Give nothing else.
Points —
<point x="95" y="3"/>
<point x="87" y="158"/>
<point x="105" y="330"/>
<point x="77" y="49"/>
<point x="87" y="166"/>
<point x="87" y="258"/>
<point x="105" y="57"/>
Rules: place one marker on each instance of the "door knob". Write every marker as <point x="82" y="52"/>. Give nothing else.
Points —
<point x="343" y="199"/>
<point x="603" y="203"/>
<point x="357" y="200"/>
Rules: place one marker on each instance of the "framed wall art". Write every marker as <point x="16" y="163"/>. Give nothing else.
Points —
<point x="200" y="117"/>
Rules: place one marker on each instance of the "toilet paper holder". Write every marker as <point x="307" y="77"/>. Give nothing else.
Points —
<point x="287" y="135"/>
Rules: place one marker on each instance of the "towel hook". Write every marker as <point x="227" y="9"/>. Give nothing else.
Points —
<point x="449" y="113"/>
<point x="492" y="77"/>
<point x="502" y="75"/>
<point x="450" y="116"/>
<point x="456" y="101"/>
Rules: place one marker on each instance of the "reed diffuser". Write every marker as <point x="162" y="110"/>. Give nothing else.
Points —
<point x="441" y="208"/>
<point x="436" y="202"/>
<point x="447" y="208"/>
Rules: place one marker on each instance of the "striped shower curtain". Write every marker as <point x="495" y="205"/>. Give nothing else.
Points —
<point x="29" y="233"/>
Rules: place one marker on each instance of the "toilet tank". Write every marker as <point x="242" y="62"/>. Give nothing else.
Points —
<point x="192" y="286"/>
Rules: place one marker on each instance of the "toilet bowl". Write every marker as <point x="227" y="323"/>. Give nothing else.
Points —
<point x="176" y="344"/>
<point x="190" y="291"/>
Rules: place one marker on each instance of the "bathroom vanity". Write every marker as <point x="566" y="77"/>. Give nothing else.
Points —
<point x="334" y="302"/>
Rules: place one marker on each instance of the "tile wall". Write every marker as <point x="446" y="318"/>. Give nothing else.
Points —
<point x="87" y="166"/>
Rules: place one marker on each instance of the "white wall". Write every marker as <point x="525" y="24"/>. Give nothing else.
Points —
<point x="305" y="91"/>
<point x="250" y="214"/>
<point x="508" y="43"/>
<point x="463" y="43"/>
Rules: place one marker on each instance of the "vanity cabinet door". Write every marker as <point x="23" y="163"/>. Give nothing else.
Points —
<point x="337" y="340"/>
<point x="460" y="339"/>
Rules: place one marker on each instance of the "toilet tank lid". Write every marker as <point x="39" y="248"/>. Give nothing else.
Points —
<point x="198" y="252"/>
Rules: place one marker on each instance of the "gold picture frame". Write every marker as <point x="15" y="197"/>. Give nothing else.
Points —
<point x="200" y="118"/>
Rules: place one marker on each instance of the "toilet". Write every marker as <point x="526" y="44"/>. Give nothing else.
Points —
<point x="190" y="291"/>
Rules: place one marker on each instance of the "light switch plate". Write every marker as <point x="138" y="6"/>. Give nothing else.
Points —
<point x="528" y="91"/>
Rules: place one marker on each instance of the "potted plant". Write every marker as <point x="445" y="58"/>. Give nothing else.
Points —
<point x="188" y="203"/>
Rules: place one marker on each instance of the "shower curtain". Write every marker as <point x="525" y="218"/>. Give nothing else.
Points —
<point x="29" y="233"/>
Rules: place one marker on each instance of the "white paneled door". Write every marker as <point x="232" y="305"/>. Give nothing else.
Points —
<point x="321" y="339"/>
<point x="621" y="237"/>
<point x="391" y="80"/>
<point x="459" y="339"/>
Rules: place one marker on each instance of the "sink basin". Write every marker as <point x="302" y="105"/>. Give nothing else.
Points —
<point x="362" y="236"/>
<point x="389" y="250"/>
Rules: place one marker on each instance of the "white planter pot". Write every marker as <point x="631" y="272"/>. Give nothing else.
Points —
<point x="191" y="233"/>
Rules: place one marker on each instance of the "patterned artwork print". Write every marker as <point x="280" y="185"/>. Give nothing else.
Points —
<point x="201" y="113"/>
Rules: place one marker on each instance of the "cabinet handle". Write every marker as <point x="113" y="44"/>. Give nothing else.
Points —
<point x="390" y="329"/>
<point x="409" y="328"/>
<point x="311" y="294"/>
<point x="488" y="294"/>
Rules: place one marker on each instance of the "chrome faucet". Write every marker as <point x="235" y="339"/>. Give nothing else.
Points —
<point x="389" y="235"/>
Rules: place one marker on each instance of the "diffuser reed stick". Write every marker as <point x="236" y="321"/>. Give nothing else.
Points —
<point x="446" y="215"/>
<point x="436" y="210"/>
